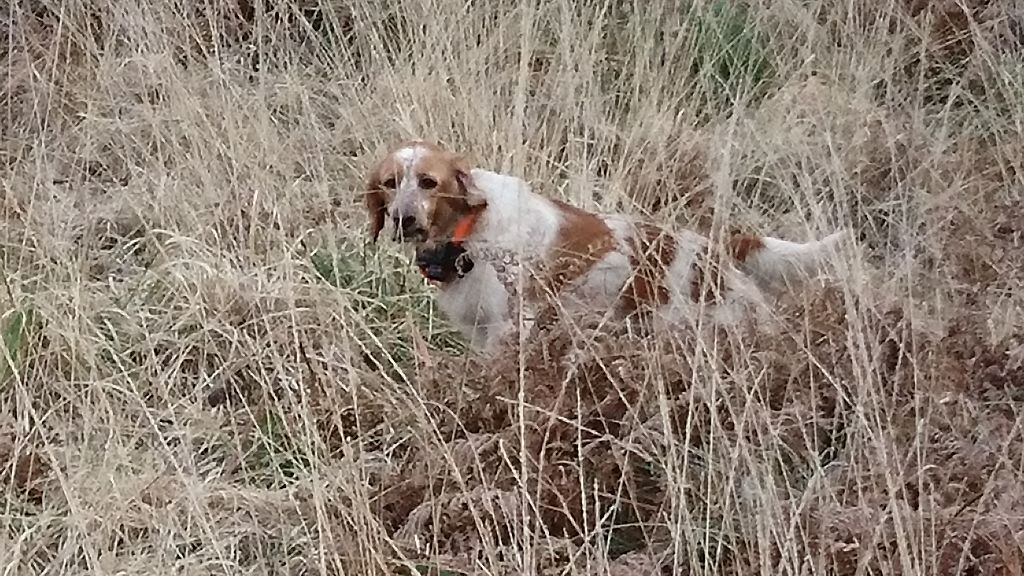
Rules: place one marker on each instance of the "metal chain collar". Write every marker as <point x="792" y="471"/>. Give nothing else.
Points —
<point x="506" y="266"/>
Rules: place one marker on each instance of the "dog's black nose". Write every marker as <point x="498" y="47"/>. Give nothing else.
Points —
<point x="405" y="223"/>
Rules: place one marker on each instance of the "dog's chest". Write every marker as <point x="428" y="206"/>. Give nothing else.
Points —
<point x="479" y="304"/>
<point x="491" y="291"/>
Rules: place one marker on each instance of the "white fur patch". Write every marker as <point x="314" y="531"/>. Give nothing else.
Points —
<point x="409" y="155"/>
<point x="516" y="219"/>
<point x="478" y="306"/>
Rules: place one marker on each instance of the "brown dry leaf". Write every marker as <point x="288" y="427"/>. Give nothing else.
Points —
<point x="25" y="468"/>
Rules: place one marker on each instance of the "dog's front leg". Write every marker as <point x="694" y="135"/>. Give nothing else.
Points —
<point x="509" y="335"/>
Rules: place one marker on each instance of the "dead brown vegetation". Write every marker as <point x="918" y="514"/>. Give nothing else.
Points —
<point x="205" y="370"/>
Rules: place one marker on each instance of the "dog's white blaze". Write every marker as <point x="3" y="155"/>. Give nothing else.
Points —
<point x="409" y="199"/>
<point x="409" y="157"/>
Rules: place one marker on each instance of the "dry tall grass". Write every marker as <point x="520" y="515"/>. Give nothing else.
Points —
<point x="206" y="371"/>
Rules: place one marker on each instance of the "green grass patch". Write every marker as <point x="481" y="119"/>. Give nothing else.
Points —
<point x="390" y="298"/>
<point x="15" y="327"/>
<point x="730" y="56"/>
<point x="276" y="457"/>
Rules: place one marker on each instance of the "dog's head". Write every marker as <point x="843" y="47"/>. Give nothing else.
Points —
<point x="421" y="191"/>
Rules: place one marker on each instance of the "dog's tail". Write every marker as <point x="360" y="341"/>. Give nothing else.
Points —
<point x="772" y="262"/>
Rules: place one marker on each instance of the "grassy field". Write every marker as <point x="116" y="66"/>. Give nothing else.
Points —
<point x="206" y="369"/>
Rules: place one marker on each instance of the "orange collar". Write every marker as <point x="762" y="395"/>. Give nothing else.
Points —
<point x="464" y="227"/>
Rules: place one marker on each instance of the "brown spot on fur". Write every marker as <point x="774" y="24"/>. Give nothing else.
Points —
<point x="377" y="208"/>
<point x="582" y="241"/>
<point x="741" y="246"/>
<point x="377" y="195"/>
<point x="450" y="200"/>
<point x="653" y="253"/>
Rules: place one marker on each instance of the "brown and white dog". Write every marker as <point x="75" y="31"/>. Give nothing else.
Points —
<point x="533" y="256"/>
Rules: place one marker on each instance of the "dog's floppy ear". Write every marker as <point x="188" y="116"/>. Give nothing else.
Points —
<point x="376" y="205"/>
<point x="474" y="196"/>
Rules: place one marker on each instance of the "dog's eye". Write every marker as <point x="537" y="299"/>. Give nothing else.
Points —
<point x="428" y="183"/>
<point x="389" y="183"/>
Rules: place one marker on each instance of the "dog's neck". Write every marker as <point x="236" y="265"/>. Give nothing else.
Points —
<point x="515" y="227"/>
<point x="516" y="219"/>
